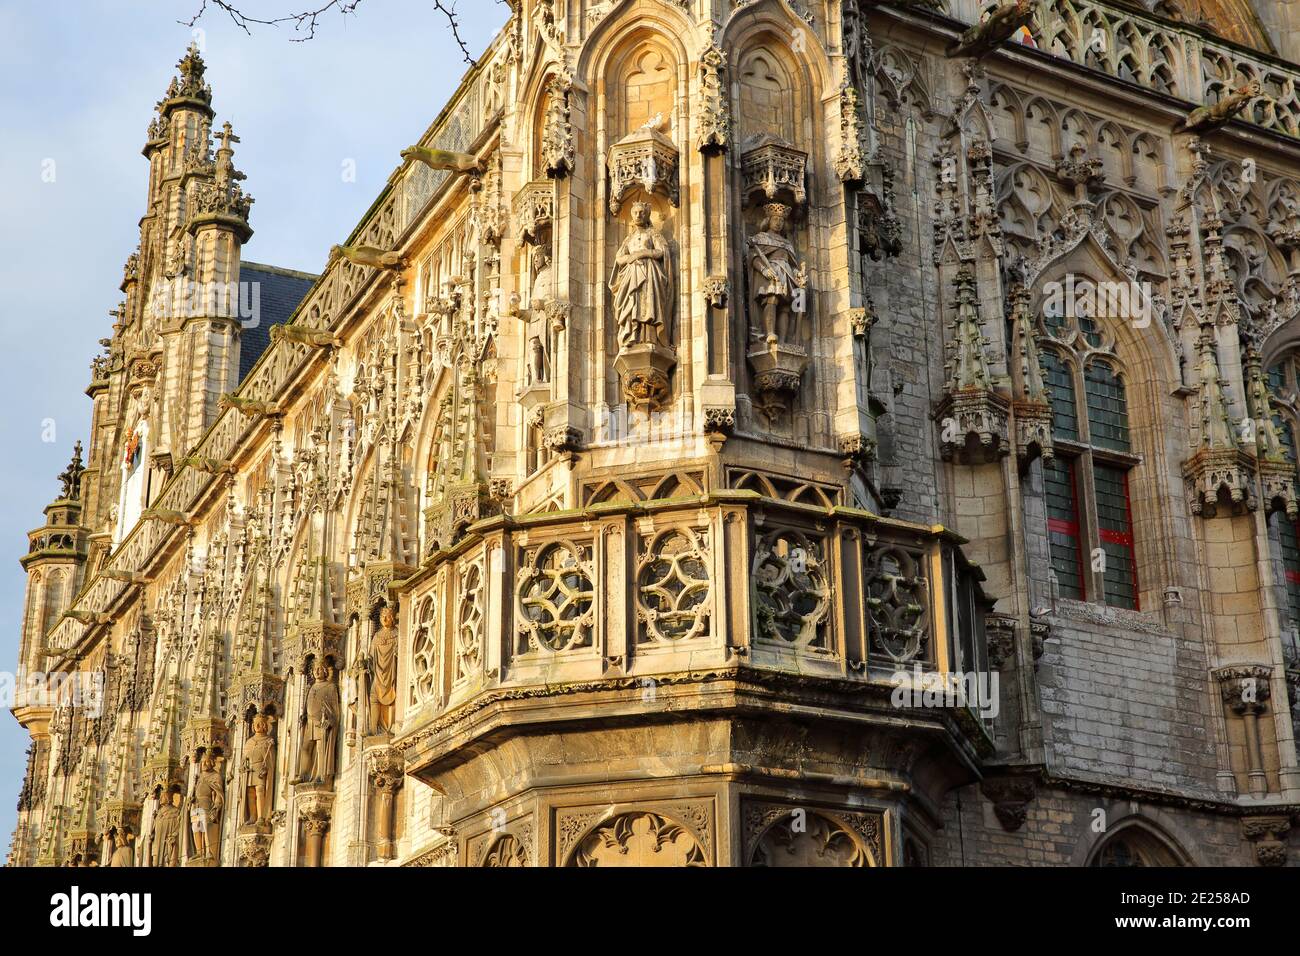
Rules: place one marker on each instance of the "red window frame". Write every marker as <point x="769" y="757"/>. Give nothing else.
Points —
<point x="1071" y="528"/>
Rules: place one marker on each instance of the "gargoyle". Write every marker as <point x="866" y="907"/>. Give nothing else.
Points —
<point x="248" y="406"/>
<point x="126" y="577"/>
<point x="369" y="256"/>
<point x="445" y="159"/>
<point x="318" y="338"/>
<point x="168" y="517"/>
<point x="87" y="617"/>
<point x="983" y="38"/>
<point x="210" y="466"/>
<point x="1204" y="119"/>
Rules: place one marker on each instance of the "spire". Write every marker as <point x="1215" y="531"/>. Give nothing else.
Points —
<point x="966" y="367"/>
<point x="1216" y="427"/>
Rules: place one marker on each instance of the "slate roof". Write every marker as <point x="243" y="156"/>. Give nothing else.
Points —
<point x="280" y="291"/>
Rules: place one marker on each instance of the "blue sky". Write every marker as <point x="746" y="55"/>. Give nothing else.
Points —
<point x="78" y="82"/>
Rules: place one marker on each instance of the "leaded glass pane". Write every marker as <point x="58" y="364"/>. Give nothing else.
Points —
<point x="1063" y="527"/>
<point x="1060" y="385"/>
<point x="1291" y="562"/>
<point x="1107" y="407"/>
<point x="1116" y="533"/>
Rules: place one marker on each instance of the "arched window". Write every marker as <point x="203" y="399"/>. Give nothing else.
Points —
<point x="1089" y="517"/>
<point x="1135" y="846"/>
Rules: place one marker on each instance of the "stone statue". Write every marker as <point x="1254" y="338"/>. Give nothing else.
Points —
<point x="777" y="280"/>
<point x="123" y="852"/>
<point x="542" y="291"/>
<point x="383" y="674"/>
<point x="642" y="284"/>
<point x="320" y="728"/>
<point x="259" y="773"/>
<point x="543" y="287"/>
<point x="205" y="810"/>
<point x="165" y="844"/>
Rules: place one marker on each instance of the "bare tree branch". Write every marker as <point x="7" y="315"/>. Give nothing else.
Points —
<point x="305" y="23"/>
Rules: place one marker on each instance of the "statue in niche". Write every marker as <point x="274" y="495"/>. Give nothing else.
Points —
<point x="165" y="844"/>
<point x="642" y="284"/>
<point x="383" y="673"/>
<point x="778" y="280"/>
<point x="259" y="773"/>
<point x="206" y="806"/>
<point x="543" y="290"/>
<point x="123" y="853"/>
<point x="320" y="728"/>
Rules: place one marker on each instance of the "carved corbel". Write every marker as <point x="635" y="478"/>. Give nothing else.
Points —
<point x="253" y="849"/>
<point x="719" y="422"/>
<point x="716" y="290"/>
<point x="1268" y="836"/>
<point x="1000" y="636"/>
<point x="856" y="450"/>
<point x="1010" y="797"/>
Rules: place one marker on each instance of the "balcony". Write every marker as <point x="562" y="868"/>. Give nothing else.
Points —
<point x="728" y="634"/>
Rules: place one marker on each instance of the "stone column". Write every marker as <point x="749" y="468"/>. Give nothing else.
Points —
<point x="386" y="769"/>
<point x="1246" y="693"/>
<point x="314" y="811"/>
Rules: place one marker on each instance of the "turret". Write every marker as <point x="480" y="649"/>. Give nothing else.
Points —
<point x="55" y="560"/>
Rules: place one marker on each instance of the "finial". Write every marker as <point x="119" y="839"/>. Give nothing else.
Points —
<point x="71" y="476"/>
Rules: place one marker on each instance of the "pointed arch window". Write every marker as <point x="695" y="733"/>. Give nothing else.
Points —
<point x="1089" y="512"/>
<point x="1135" y="846"/>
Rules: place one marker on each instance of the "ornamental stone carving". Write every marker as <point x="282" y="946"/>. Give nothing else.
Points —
<point x="897" y="600"/>
<point x="639" y="839"/>
<point x="558" y="152"/>
<point x="673" y="587"/>
<point x="713" y="119"/>
<point x="791" y="592"/>
<point x="556" y="599"/>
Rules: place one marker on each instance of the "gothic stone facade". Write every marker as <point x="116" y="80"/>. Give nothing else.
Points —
<point x="698" y="387"/>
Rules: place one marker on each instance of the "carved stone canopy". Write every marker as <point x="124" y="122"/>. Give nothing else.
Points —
<point x="645" y="159"/>
<point x="774" y="170"/>
<point x="534" y="210"/>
